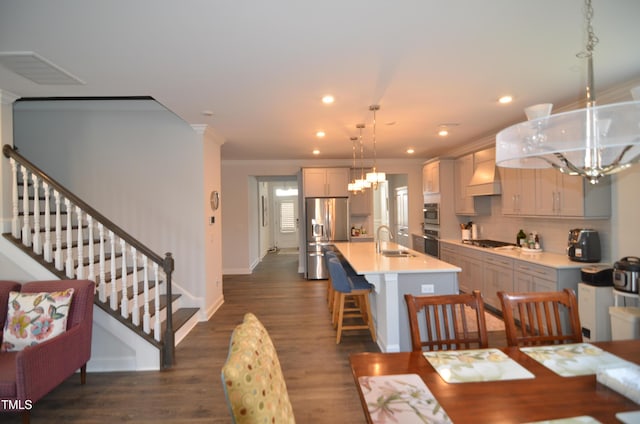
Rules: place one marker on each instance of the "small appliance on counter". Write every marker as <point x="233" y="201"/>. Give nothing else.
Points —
<point x="584" y="245"/>
<point x="626" y="273"/>
<point x="597" y="275"/>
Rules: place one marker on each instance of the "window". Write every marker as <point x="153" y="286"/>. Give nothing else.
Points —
<point x="287" y="217"/>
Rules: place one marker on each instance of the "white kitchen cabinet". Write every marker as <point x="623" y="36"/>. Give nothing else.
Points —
<point x="558" y="194"/>
<point x="431" y="178"/>
<point x="497" y="275"/>
<point x="518" y="191"/>
<point x="325" y="182"/>
<point x="463" y="171"/>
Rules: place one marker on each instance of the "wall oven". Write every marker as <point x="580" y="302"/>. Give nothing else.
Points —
<point x="431" y="213"/>
<point x="432" y="243"/>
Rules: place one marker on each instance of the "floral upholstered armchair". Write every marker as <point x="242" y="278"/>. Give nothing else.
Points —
<point x="46" y="338"/>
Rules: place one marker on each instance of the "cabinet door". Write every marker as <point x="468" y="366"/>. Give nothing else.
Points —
<point x="431" y="178"/>
<point x="570" y="195"/>
<point x="527" y="198"/>
<point x="314" y="182"/>
<point x="547" y="197"/>
<point x="361" y="203"/>
<point x="471" y="274"/>
<point x="497" y="275"/>
<point x="337" y="180"/>
<point x="518" y="191"/>
<point x="464" y="205"/>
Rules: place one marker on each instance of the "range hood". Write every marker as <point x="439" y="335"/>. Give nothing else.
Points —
<point x="485" y="180"/>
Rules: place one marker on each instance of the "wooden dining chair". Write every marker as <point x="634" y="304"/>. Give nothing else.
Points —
<point x="541" y="318"/>
<point x="447" y="322"/>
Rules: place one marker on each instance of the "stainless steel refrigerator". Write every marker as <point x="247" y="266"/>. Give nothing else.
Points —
<point x="327" y="221"/>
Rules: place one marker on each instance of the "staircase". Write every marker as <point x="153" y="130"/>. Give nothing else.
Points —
<point x="72" y="240"/>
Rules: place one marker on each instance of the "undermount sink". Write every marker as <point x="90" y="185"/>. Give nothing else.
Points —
<point x="396" y="253"/>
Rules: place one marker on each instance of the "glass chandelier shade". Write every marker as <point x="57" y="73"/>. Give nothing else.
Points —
<point x="591" y="142"/>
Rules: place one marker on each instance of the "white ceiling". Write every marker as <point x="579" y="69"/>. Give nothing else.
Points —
<point x="262" y="66"/>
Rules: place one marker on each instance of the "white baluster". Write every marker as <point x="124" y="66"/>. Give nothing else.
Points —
<point x="47" y="222"/>
<point x="156" y="327"/>
<point x="37" y="246"/>
<point x="15" y="220"/>
<point x="26" y="228"/>
<point x="80" y="270"/>
<point x="146" y="318"/>
<point x="102" y="286"/>
<point x="124" y="304"/>
<point x="92" y="272"/>
<point x="56" y="196"/>
<point x="114" y="291"/>
<point x="135" y="313"/>
<point x="69" y="261"/>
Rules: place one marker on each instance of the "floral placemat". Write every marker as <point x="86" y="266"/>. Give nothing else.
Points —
<point x="585" y="419"/>
<point x="570" y="360"/>
<point x="402" y="398"/>
<point x="464" y="366"/>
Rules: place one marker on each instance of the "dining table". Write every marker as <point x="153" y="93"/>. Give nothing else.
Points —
<point x="544" y="395"/>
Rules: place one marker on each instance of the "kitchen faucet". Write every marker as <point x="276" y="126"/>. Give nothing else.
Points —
<point x="382" y="227"/>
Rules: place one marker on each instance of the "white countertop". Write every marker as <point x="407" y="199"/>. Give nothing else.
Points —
<point x="363" y="258"/>
<point x="553" y="260"/>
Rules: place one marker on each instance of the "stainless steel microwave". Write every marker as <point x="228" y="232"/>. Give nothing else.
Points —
<point x="431" y="213"/>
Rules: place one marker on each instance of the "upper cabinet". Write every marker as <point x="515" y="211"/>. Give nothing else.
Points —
<point x="548" y="192"/>
<point x="360" y="203"/>
<point x="518" y="191"/>
<point x="325" y="182"/>
<point x="463" y="167"/>
<point x="431" y="178"/>
<point x="571" y="195"/>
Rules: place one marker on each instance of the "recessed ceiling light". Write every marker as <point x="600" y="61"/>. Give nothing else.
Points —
<point x="410" y="150"/>
<point x="320" y="134"/>
<point x="443" y="132"/>
<point x="328" y="99"/>
<point x="207" y="113"/>
<point x="505" y="100"/>
<point x="316" y="152"/>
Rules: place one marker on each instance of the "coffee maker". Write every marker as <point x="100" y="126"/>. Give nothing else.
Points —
<point x="584" y="245"/>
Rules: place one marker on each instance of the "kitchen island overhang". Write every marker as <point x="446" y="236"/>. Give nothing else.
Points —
<point x="394" y="276"/>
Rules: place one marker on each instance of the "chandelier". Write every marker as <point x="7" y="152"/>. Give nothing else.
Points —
<point x="591" y="142"/>
<point x="374" y="177"/>
<point x="359" y="184"/>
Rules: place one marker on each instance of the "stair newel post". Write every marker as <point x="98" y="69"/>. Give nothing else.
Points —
<point x="69" y="261"/>
<point x="56" y="196"/>
<point x="37" y="247"/>
<point x="91" y="253"/>
<point x="102" y="288"/>
<point x="26" y="228"/>
<point x="135" y="312"/>
<point x="146" y="317"/>
<point x="80" y="270"/>
<point x="124" y="303"/>
<point x="15" y="220"/>
<point x="113" y="299"/>
<point x="47" y="221"/>
<point x="169" y="343"/>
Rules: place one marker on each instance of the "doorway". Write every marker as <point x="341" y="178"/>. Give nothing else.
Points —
<point x="279" y="214"/>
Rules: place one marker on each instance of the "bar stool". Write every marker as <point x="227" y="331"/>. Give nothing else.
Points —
<point x="329" y="254"/>
<point x="347" y="288"/>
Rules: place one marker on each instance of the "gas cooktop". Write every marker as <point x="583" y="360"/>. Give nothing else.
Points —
<point x="487" y="243"/>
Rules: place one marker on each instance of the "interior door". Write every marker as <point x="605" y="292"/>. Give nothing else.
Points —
<point x="287" y="222"/>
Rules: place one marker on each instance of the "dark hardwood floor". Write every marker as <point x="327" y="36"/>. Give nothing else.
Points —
<point x="294" y="312"/>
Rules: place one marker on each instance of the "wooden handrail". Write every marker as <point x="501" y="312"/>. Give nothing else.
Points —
<point x="166" y="263"/>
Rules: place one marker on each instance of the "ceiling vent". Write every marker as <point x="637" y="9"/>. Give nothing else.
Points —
<point x="36" y="68"/>
<point x="485" y="181"/>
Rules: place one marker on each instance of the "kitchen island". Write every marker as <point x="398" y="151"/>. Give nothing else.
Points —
<point x="393" y="275"/>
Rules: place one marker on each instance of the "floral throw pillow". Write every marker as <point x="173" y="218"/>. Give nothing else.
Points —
<point x="33" y="318"/>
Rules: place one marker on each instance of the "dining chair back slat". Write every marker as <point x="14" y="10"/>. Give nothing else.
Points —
<point x="443" y="322"/>
<point x="541" y="318"/>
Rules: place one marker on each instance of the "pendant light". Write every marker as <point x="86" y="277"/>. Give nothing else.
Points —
<point x="591" y="142"/>
<point x="375" y="177"/>
<point x="354" y="186"/>
<point x="362" y="182"/>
